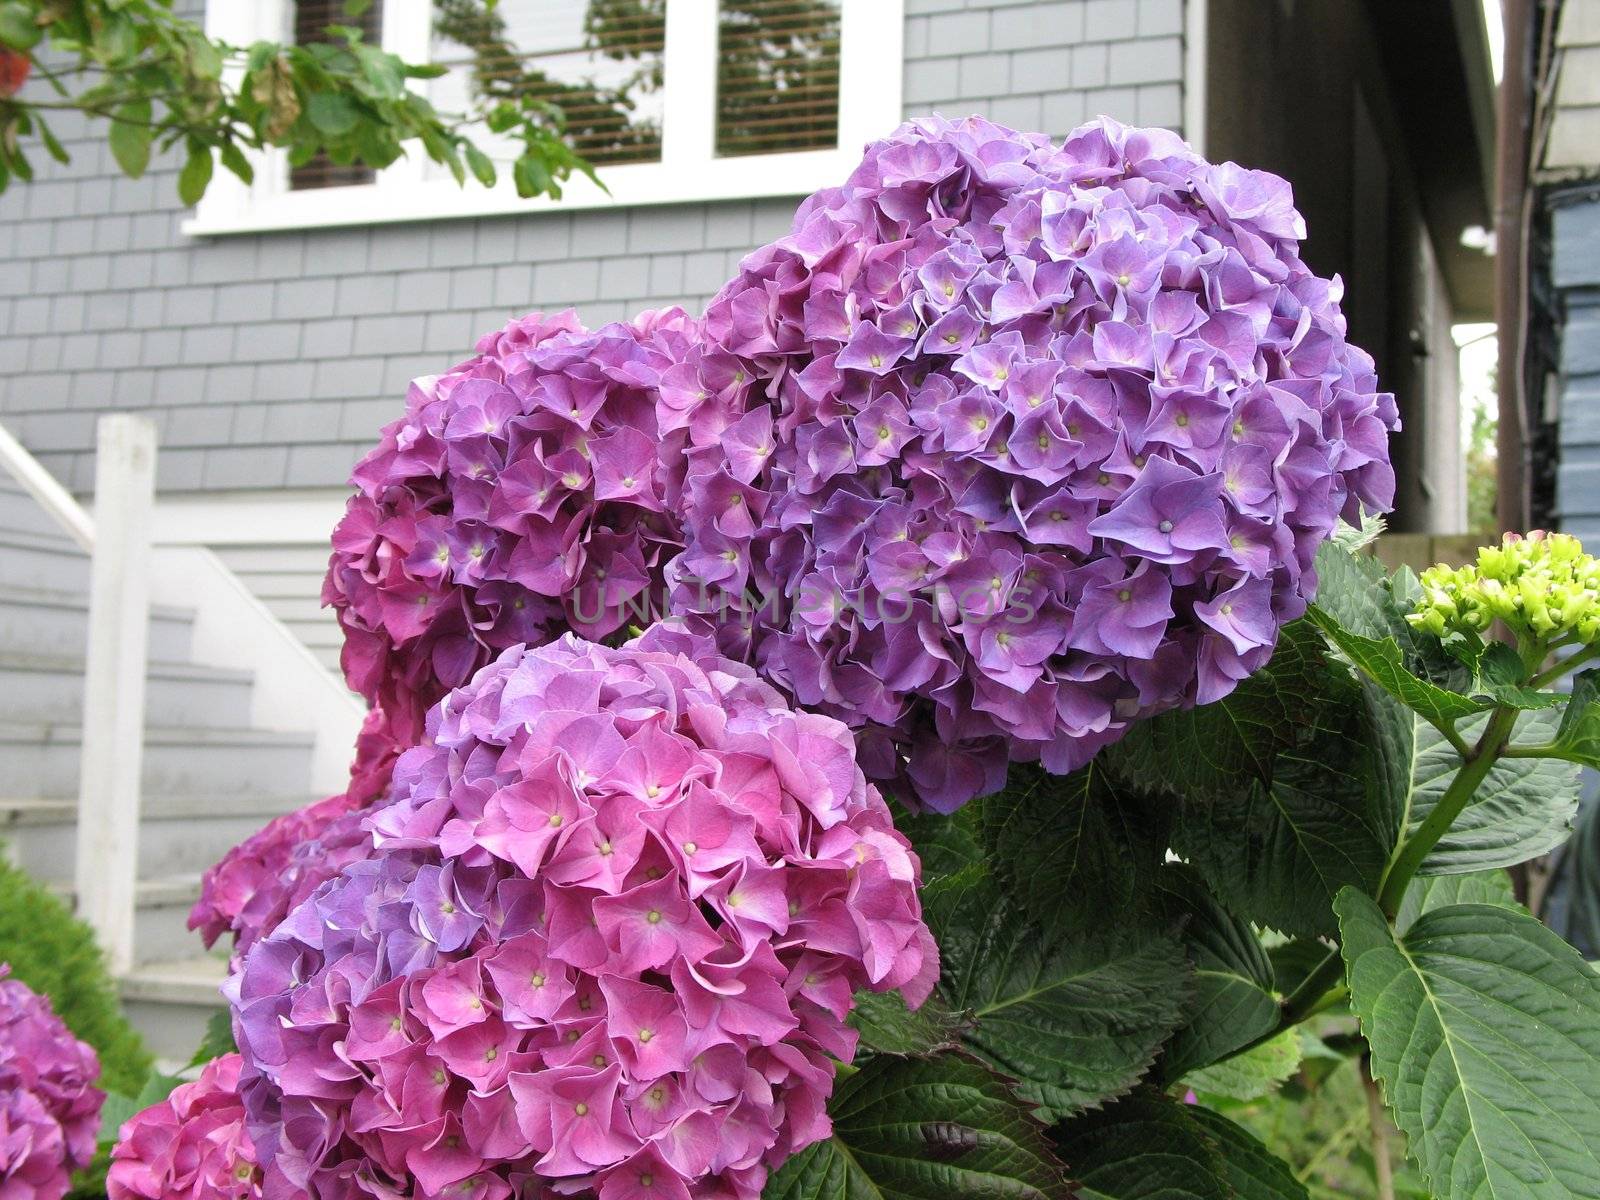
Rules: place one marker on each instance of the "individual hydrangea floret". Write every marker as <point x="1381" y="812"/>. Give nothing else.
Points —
<point x="49" y="1106"/>
<point x="608" y="942"/>
<point x="529" y="491"/>
<point x="260" y="880"/>
<point x="1543" y="586"/>
<point x="191" y="1146"/>
<point x="1029" y="442"/>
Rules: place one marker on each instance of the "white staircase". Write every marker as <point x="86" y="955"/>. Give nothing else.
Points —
<point x="209" y="778"/>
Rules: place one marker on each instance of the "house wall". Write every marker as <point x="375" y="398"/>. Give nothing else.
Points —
<point x="1575" y="274"/>
<point x="270" y="361"/>
<point x="1340" y="142"/>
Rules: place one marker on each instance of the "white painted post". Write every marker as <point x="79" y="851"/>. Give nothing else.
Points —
<point x="113" y="685"/>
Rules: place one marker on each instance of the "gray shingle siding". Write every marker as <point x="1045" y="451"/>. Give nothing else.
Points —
<point x="270" y="360"/>
<point x="1575" y="271"/>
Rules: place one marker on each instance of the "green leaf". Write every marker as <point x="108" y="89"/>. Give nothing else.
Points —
<point x="1050" y="836"/>
<point x="1278" y="855"/>
<point x="1382" y="661"/>
<point x="1233" y="999"/>
<point x="233" y="158"/>
<point x="196" y="174"/>
<point x="130" y="137"/>
<point x="51" y="144"/>
<point x="1217" y="749"/>
<point x="1501" y="677"/>
<point x="1428" y="892"/>
<point x="1074" y="1016"/>
<point x="887" y="1026"/>
<point x="1577" y="738"/>
<point x="332" y="114"/>
<point x="218" y="1039"/>
<point x="532" y="176"/>
<point x="1253" y="1074"/>
<point x="1358" y="593"/>
<point x="19" y="27"/>
<point x="1523" y="809"/>
<point x="1254" y="1171"/>
<point x="1485" y="1033"/>
<point x="1150" y="1147"/>
<point x="481" y="166"/>
<point x="946" y="844"/>
<point x="942" y="1128"/>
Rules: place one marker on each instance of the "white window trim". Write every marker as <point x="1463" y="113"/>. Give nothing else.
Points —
<point x="871" y="69"/>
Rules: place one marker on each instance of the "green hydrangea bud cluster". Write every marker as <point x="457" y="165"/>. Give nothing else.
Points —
<point x="1543" y="586"/>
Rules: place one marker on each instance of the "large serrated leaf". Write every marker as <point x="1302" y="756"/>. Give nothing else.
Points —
<point x="942" y="1128"/>
<point x="1523" y="809"/>
<point x="1253" y="1170"/>
<point x="1485" y="1033"/>
<point x="1428" y="892"/>
<point x="1218" y="749"/>
<point x="1278" y="855"/>
<point x="1382" y="661"/>
<point x="1253" y="1074"/>
<point x="1578" y="736"/>
<point x="1075" y="1015"/>
<point x="1233" y="996"/>
<point x="1050" y="836"/>
<point x="887" y="1026"/>
<point x="1153" y="1148"/>
<point x="946" y="844"/>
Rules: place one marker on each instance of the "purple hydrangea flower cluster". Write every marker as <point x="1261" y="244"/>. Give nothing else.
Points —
<point x="191" y="1146"/>
<point x="608" y="941"/>
<point x="1035" y="442"/>
<point x="257" y="882"/>
<point x="49" y="1106"/>
<point x="531" y="490"/>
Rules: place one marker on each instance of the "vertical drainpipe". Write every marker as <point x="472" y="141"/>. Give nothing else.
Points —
<point x="1510" y="264"/>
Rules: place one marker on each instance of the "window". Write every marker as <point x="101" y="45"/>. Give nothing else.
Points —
<point x="311" y="21"/>
<point x="672" y="100"/>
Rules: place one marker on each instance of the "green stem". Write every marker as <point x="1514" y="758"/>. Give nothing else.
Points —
<point x="1444" y="814"/>
<point x="1567" y="664"/>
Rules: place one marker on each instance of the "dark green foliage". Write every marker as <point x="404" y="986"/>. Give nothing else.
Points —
<point x="55" y="955"/>
<point x="1152" y="1147"/>
<point x="924" y="1129"/>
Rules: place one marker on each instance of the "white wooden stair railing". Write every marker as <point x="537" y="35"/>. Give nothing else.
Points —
<point x="293" y="692"/>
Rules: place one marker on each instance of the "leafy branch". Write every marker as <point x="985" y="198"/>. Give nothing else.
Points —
<point x="162" y="85"/>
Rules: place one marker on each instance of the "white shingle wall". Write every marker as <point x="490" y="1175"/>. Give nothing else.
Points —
<point x="271" y="360"/>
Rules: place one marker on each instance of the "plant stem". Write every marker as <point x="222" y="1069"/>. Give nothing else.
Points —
<point x="1565" y="665"/>
<point x="1456" y="797"/>
<point x="1380" y="1133"/>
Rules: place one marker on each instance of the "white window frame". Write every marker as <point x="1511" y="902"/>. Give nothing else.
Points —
<point x="871" y="69"/>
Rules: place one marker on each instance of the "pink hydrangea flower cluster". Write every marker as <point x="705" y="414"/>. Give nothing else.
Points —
<point x="261" y="879"/>
<point x="531" y="490"/>
<point x="1035" y="442"/>
<point x="191" y="1146"/>
<point x="49" y="1106"/>
<point x="609" y="939"/>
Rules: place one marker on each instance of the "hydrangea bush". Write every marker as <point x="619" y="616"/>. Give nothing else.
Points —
<point x="1034" y="441"/>
<point x="49" y="1106"/>
<point x="610" y="936"/>
<point x="1011" y="481"/>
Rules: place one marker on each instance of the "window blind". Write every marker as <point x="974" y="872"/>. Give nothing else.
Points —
<point x="777" y="76"/>
<point x="311" y="21"/>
